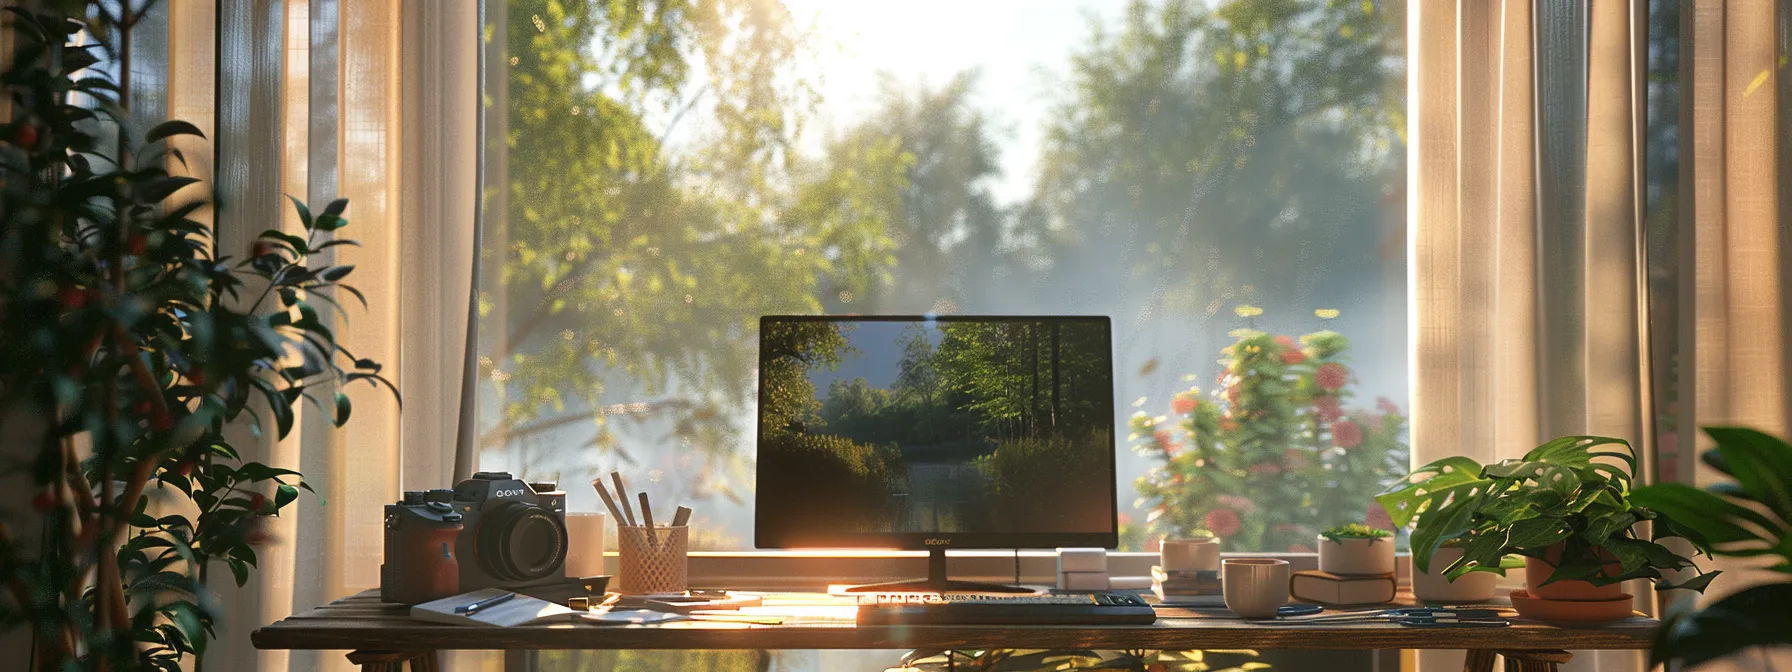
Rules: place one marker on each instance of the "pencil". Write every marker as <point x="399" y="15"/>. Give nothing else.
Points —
<point x="622" y="494"/>
<point x="598" y="484"/>
<point x="682" y="516"/>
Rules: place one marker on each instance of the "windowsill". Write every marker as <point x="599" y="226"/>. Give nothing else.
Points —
<point x="815" y="570"/>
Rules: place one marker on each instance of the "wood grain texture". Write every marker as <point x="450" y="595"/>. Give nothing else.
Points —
<point x="363" y="622"/>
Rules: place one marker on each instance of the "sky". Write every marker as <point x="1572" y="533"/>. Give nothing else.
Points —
<point x="1021" y="49"/>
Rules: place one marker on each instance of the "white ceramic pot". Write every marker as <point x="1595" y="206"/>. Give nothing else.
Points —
<point x="1356" y="556"/>
<point x="1433" y="587"/>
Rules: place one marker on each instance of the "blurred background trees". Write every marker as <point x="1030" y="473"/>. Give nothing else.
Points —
<point x="663" y="180"/>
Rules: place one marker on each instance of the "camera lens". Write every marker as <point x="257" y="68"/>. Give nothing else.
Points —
<point x="521" y="542"/>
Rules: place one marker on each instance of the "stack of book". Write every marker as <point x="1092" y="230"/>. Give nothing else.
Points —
<point x="1189" y="588"/>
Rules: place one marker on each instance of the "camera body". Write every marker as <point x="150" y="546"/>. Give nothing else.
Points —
<point x="515" y="532"/>
<point x="491" y="531"/>
<point x="421" y="563"/>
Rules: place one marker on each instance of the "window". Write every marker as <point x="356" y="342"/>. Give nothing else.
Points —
<point x="1221" y="178"/>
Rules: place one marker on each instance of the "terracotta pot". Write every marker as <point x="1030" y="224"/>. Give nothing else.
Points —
<point x="1538" y="570"/>
<point x="1432" y="586"/>
<point x="1356" y="556"/>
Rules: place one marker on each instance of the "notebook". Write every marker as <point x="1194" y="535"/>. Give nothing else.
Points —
<point x="525" y="610"/>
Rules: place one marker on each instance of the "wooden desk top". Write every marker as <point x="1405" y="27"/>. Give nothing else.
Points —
<point x="363" y="622"/>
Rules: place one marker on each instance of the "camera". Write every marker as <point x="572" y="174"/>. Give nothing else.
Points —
<point x="491" y="531"/>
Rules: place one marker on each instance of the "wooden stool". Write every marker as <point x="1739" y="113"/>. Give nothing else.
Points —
<point x="1543" y="660"/>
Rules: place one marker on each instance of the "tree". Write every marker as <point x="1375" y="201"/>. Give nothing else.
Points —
<point x="635" y="253"/>
<point x="1208" y="154"/>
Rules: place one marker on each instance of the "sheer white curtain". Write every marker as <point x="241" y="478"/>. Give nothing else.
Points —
<point x="374" y="101"/>
<point x="1528" y="309"/>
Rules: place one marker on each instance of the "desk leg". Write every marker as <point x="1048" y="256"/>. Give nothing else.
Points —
<point x="393" y="661"/>
<point x="1478" y="660"/>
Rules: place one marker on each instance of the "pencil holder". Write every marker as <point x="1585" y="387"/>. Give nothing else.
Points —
<point x="651" y="560"/>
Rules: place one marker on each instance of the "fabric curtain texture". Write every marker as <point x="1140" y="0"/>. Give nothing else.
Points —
<point x="1530" y="311"/>
<point x="373" y="101"/>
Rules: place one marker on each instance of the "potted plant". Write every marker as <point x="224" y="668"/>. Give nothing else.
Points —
<point x="1745" y="518"/>
<point x="1565" y="506"/>
<point x="128" y="346"/>
<point x="1435" y="585"/>
<point x="1356" y="548"/>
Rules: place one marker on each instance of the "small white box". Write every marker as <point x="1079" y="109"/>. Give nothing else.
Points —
<point x="1083" y="560"/>
<point x="1082" y="580"/>
<point x="1129" y="583"/>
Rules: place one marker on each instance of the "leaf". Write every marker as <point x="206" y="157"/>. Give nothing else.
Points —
<point x="1697" y="584"/>
<point x="171" y="128"/>
<point x="239" y="570"/>
<point x="1537" y="533"/>
<point x="186" y="616"/>
<point x="159" y="189"/>
<point x="283" y="495"/>
<point x="1713" y="517"/>
<point x="304" y="212"/>
<point x="335" y="273"/>
<point x="342" y="409"/>
<point x="1753" y="617"/>
<point x="1760" y="463"/>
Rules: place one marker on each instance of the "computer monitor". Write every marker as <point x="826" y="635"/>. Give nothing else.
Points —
<point x="934" y="433"/>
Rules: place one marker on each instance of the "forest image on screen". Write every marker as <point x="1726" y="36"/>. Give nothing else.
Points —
<point x="892" y="427"/>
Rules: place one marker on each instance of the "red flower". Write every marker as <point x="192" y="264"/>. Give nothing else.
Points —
<point x="136" y="244"/>
<point x="1378" y="518"/>
<point x="72" y="297"/>
<point x="1164" y="441"/>
<point x="1222" y="522"/>
<point x="1232" y="393"/>
<point x="1285" y="342"/>
<point x="197" y="376"/>
<point x="1265" y="469"/>
<point x="44" y="501"/>
<point x="1331" y="376"/>
<point x="1346" y="434"/>
<point x="1182" y="404"/>
<point x="1227" y="425"/>
<point x="185" y="467"/>
<point x="1327" y="407"/>
<point x="1292" y="357"/>
<point x="1293" y="459"/>
<point x="161" y="421"/>
<point x="257" y="500"/>
<point x="25" y="135"/>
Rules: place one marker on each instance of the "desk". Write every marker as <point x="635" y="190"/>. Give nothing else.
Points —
<point x="384" y="638"/>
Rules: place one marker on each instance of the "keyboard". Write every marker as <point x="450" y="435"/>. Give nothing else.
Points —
<point x="978" y="609"/>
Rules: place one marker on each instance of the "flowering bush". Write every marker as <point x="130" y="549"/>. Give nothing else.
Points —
<point x="1275" y="454"/>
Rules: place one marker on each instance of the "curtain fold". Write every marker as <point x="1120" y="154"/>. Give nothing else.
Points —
<point x="374" y="101"/>
<point x="1526" y="301"/>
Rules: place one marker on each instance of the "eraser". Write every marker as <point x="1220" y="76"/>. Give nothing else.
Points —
<point x="1083" y="560"/>
<point x="1083" y="581"/>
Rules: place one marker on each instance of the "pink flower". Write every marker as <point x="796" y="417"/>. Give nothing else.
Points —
<point x="1386" y="405"/>
<point x="1377" y="517"/>
<point x="1264" y="469"/>
<point x="1182" y="404"/>
<point x="1331" y="376"/>
<point x="1222" y="522"/>
<point x="1285" y="342"/>
<point x="1327" y="408"/>
<point x="1232" y="393"/>
<point x="1346" y="434"/>
<point x="1293" y="459"/>
<point x="1292" y="357"/>
<point x="1236" y="502"/>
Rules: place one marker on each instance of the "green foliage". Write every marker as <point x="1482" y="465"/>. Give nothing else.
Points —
<point x="138" y="345"/>
<point x="632" y="270"/>
<point x="1042" y="660"/>
<point x="1573" y="491"/>
<point x="1273" y="456"/>
<point x="1748" y="518"/>
<point x="1338" y="533"/>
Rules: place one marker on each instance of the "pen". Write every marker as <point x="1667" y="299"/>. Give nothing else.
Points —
<point x="487" y="602"/>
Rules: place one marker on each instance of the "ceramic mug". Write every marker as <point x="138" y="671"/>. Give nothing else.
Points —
<point x="1255" y="587"/>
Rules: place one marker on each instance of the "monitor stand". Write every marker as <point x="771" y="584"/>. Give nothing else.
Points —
<point x="936" y="581"/>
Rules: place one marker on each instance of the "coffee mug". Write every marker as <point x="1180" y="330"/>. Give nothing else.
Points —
<point x="1255" y="587"/>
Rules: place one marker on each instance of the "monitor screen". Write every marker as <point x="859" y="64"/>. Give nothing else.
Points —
<point x="911" y="432"/>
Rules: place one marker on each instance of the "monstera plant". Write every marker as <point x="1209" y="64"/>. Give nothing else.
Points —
<point x="1568" y="500"/>
<point x="128" y="344"/>
<point x="1748" y="517"/>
